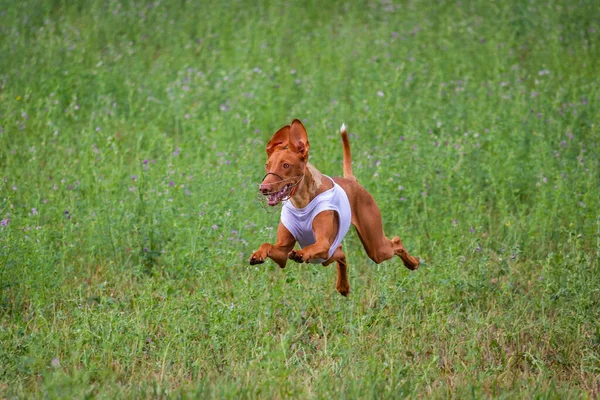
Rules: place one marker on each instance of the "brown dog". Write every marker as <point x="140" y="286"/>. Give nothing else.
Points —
<point x="291" y="176"/>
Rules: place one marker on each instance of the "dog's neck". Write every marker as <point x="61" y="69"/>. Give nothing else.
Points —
<point x="311" y="186"/>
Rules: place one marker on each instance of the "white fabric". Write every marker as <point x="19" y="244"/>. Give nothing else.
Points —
<point x="299" y="220"/>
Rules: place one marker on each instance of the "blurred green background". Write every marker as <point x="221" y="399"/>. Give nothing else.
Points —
<point x="132" y="141"/>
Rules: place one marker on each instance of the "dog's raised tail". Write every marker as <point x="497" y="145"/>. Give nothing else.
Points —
<point x="347" y="156"/>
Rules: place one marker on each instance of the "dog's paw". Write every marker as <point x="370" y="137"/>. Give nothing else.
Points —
<point x="296" y="255"/>
<point x="344" y="290"/>
<point x="256" y="258"/>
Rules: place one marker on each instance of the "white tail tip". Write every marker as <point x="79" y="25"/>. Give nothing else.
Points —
<point x="343" y="128"/>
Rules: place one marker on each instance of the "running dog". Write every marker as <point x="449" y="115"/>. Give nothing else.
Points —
<point x="318" y="210"/>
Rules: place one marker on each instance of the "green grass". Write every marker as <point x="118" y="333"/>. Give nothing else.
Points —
<point x="131" y="142"/>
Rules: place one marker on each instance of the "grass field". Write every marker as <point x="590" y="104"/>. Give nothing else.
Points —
<point x="132" y="141"/>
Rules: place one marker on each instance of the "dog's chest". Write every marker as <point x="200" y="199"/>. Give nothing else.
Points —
<point x="299" y="221"/>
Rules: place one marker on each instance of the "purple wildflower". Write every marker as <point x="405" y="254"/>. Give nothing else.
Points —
<point x="5" y="222"/>
<point x="34" y="211"/>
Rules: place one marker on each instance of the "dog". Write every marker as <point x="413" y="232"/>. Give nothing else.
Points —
<point x="318" y="210"/>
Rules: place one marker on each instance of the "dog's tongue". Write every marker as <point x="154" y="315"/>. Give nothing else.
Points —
<point x="273" y="200"/>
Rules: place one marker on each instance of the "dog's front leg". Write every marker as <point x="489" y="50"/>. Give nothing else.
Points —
<point x="277" y="252"/>
<point x="325" y="228"/>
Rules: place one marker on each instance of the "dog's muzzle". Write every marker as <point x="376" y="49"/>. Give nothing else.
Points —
<point x="274" y="197"/>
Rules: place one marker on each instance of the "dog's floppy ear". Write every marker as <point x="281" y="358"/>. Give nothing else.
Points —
<point x="299" y="139"/>
<point x="280" y="140"/>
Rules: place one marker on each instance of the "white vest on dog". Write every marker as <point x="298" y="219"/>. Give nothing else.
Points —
<point x="299" y="220"/>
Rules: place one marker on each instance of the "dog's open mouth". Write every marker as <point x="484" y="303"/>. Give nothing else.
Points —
<point x="282" y="194"/>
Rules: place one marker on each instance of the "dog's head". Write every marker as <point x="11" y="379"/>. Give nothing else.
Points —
<point x="287" y="153"/>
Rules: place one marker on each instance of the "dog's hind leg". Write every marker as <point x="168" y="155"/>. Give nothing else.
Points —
<point x="409" y="261"/>
<point x="342" y="285"/>
<point x="369" y="226"/>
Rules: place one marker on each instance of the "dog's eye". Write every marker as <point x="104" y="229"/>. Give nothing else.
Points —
<point x="286" y="165"/>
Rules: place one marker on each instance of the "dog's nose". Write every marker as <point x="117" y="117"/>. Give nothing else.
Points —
<point x="264" y="188"/>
